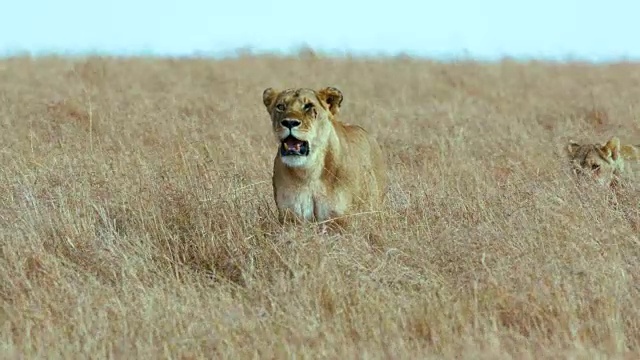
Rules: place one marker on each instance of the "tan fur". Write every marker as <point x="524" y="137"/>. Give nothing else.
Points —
<point x="605" y="163"/>
<point x="345" y="171"/>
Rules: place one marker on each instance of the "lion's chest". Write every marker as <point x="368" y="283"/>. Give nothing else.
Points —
<point x="311" y="202"/>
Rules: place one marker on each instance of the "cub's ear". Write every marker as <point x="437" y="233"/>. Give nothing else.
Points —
<point x="332" y="97"/>
<point x="269" y="95"/>
<point x="572" y="147"/>
<point x="612" y="147"/>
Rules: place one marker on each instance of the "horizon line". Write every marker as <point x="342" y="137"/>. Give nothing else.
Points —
<point x="308" y="51"/>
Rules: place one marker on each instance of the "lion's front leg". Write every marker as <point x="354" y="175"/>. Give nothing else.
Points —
<point x="287" y="216"/>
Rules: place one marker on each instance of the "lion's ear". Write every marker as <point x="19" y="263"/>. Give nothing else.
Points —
<point x="572" y="146"/>
<point x="612" y="147"/>
<point x="332" y="97"/>
<point x="268" y="97"/>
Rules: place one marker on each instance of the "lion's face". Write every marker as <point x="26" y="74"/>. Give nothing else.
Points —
<point x="301" y="120"/>
<point x="600" y="162"/>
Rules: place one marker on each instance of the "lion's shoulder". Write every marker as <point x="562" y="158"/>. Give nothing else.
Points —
<point x="353" y="133"/>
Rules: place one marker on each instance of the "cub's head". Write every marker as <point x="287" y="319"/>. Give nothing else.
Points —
<point x="301" y="120"/>
<point x="601" y="162"/>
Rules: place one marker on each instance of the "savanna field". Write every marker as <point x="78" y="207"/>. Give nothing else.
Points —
<point x="138" y="222"/>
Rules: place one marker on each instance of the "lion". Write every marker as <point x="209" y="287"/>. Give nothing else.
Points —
<point x="605" y="163"/>
<point x="324" y="169"/>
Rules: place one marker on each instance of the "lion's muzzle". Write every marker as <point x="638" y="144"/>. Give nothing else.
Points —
<point x="290" y="123"/>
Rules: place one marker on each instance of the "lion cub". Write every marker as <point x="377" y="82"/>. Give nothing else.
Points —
<point x="605" y="163"/>
<point x="324" y="169"/>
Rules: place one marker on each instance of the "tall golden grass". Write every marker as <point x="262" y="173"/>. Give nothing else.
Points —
<point x="138" y="219"/>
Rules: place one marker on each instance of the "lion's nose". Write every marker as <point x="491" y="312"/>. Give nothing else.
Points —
<point x="290" y="124"/>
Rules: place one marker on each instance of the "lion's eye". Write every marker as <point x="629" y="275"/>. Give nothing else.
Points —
<point x="595" y="167"/>
<point x="280" y="107"/>
<point x="308" y="106"/>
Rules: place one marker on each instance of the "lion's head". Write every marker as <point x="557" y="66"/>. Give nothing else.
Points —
<point x="301" y="120"/>
<point x="601" y="162"/>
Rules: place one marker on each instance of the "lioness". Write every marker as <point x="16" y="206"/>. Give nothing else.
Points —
<point x="605" y="162"/>
<point x="324" y="169"/>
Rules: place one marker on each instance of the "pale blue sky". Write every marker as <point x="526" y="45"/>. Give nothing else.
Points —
<point x="589" y="29"/>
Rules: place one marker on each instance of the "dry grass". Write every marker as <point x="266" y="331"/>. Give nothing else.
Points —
<point x="138" y="220"/>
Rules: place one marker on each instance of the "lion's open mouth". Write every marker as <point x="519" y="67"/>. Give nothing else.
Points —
<point x="292" y="146"/>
